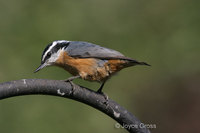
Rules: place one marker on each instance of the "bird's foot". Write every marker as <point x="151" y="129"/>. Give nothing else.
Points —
<point x="71" y="83"/>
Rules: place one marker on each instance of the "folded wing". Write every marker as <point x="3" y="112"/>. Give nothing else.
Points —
<point x="89" y="50"/>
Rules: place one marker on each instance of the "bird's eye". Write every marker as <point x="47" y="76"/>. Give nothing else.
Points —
<point x="48" y="54"/>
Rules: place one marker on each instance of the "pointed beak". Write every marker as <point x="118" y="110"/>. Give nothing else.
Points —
<point x="40" y="67"/>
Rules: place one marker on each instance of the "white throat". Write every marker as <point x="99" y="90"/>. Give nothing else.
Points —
<point x="54" y="57"/>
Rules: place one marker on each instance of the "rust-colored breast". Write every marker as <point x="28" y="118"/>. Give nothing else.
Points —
<point x="88" y="68"/>
<point x="84" y="67"/>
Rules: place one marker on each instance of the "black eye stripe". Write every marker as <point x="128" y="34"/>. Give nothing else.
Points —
<point x="54" y="49"/>
<point x="47" y="47"/>
<point x="48" y="54"/>
<point x="46" y="58"/>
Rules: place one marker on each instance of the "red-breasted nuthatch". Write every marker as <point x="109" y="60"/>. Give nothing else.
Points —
<point x="85" y="60"/>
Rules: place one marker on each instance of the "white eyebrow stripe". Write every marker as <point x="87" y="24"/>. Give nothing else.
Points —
<point x="53" y="44"/>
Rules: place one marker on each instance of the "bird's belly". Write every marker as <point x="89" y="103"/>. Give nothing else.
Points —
<point x="87" y="68"/>
<point x="95" y="69"/>
<point x="91" y="69"/>
<point x="94" y="74"/>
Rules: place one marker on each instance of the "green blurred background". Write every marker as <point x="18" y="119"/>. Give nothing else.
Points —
<point x="165" y="33"/>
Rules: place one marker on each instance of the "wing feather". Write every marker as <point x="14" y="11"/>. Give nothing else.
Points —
<point x="89" y="50"/>
<point x="79" y="49"/>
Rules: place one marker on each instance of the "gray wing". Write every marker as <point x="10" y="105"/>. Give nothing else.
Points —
<point x="88" y="50"/>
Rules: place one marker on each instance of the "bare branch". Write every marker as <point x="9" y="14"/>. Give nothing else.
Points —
<point x="81" y="94"/>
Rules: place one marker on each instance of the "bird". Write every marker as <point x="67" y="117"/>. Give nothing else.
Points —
<point x="85" y="60"/>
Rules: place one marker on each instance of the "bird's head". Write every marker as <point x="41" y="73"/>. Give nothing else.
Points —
<point x="51" y="53"/>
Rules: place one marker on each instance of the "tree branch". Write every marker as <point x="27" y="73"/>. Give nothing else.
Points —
<point x="81" y="94"/>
